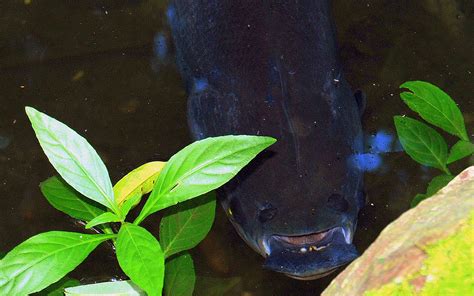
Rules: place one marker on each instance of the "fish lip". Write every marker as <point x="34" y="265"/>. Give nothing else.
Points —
<point x="314" y="276"/>
<point x="310" y="256"/>
<point x="311" y="241"/>
<point x="315" y="239"/>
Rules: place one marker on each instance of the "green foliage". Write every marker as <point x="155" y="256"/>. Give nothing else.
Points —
<point x="130" y="203"/>
<point x="141" y="258"/>
<point x="201" y="167"/>
<point x="424" y="144"/>
<point x="185" y="225"/>
<point x="435" y="106"/>
<point x="44" y="259"/>
<point x="139" y="181"/>
<point x="67" y="200"/>
<point x="85" y="188"/>
<point x="57" y="289"/>
<point x="434" y="186"/>
<point x="460" y="150"/>
<point x="106" y="217"/>
<point x="122" y="288"/>
<point x="179" y="276"/>
<point x="73" y="158"/>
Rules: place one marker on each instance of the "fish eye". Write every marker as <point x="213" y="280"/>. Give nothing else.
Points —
<point x="337" y="202"/>
<point x="266" y="213"/>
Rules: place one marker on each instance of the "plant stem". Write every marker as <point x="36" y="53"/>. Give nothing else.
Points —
<point x="446" y="170"/>
<point x="138" y="220"/>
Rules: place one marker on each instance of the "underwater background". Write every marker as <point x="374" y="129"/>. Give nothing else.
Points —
<point x="107" y="69"/>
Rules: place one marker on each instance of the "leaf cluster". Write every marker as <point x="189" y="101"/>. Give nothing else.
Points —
<point x="423" y="143"/>
<point x="84" y="191"/>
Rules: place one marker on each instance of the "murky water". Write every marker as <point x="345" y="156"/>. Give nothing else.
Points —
<point x="106" y="69"/>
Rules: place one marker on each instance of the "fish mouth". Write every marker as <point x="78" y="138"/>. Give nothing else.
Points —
<point x="310" y="256"/>
<point x="314" y="241"/>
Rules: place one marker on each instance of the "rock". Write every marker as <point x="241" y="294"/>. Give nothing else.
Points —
<point x="427" y="251"/>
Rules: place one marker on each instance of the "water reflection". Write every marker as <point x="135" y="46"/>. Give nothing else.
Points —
<point x="367" y="162"/>
<point x="160" y="46"/>
<point x="381" y="142"/>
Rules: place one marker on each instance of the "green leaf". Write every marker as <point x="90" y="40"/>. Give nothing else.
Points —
<point x="140" y="180"/>
<point x="417" y="199"/>
<point x="67" y="200"/>
<point x="57" y="289"/>
<point x="179" y="275"/>
<point x="437" y="183"/>
<point x="141" y="258"/>
<point x="122" y="288"/>
<point x="434" y="186"/>
<point x="44" y="259"/>
<point x="187" y="224"/>
<point x="434" y="106"/>
<point x="201" y="167"/>
<point x="74" y="158"/>
<point x="130" y="203"/>
<point x="104" y="218"/>
<point x="422" y="143"/>
<point x="460" y="150"/>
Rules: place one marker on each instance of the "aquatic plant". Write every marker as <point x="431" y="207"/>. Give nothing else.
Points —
<point x="423" y="143"/>
<point x="85" y="192"/>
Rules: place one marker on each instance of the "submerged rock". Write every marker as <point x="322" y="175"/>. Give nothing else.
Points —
<point x="429" y="250"/>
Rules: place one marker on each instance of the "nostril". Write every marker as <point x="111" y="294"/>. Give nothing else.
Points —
<point x="337" y="202"/>
<point x="267" y="214"/>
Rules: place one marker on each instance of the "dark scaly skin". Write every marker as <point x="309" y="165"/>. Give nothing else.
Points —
<point x="271" y="68"/>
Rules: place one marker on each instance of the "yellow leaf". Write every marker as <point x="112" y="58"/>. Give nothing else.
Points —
<point x="140" y="180"/>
